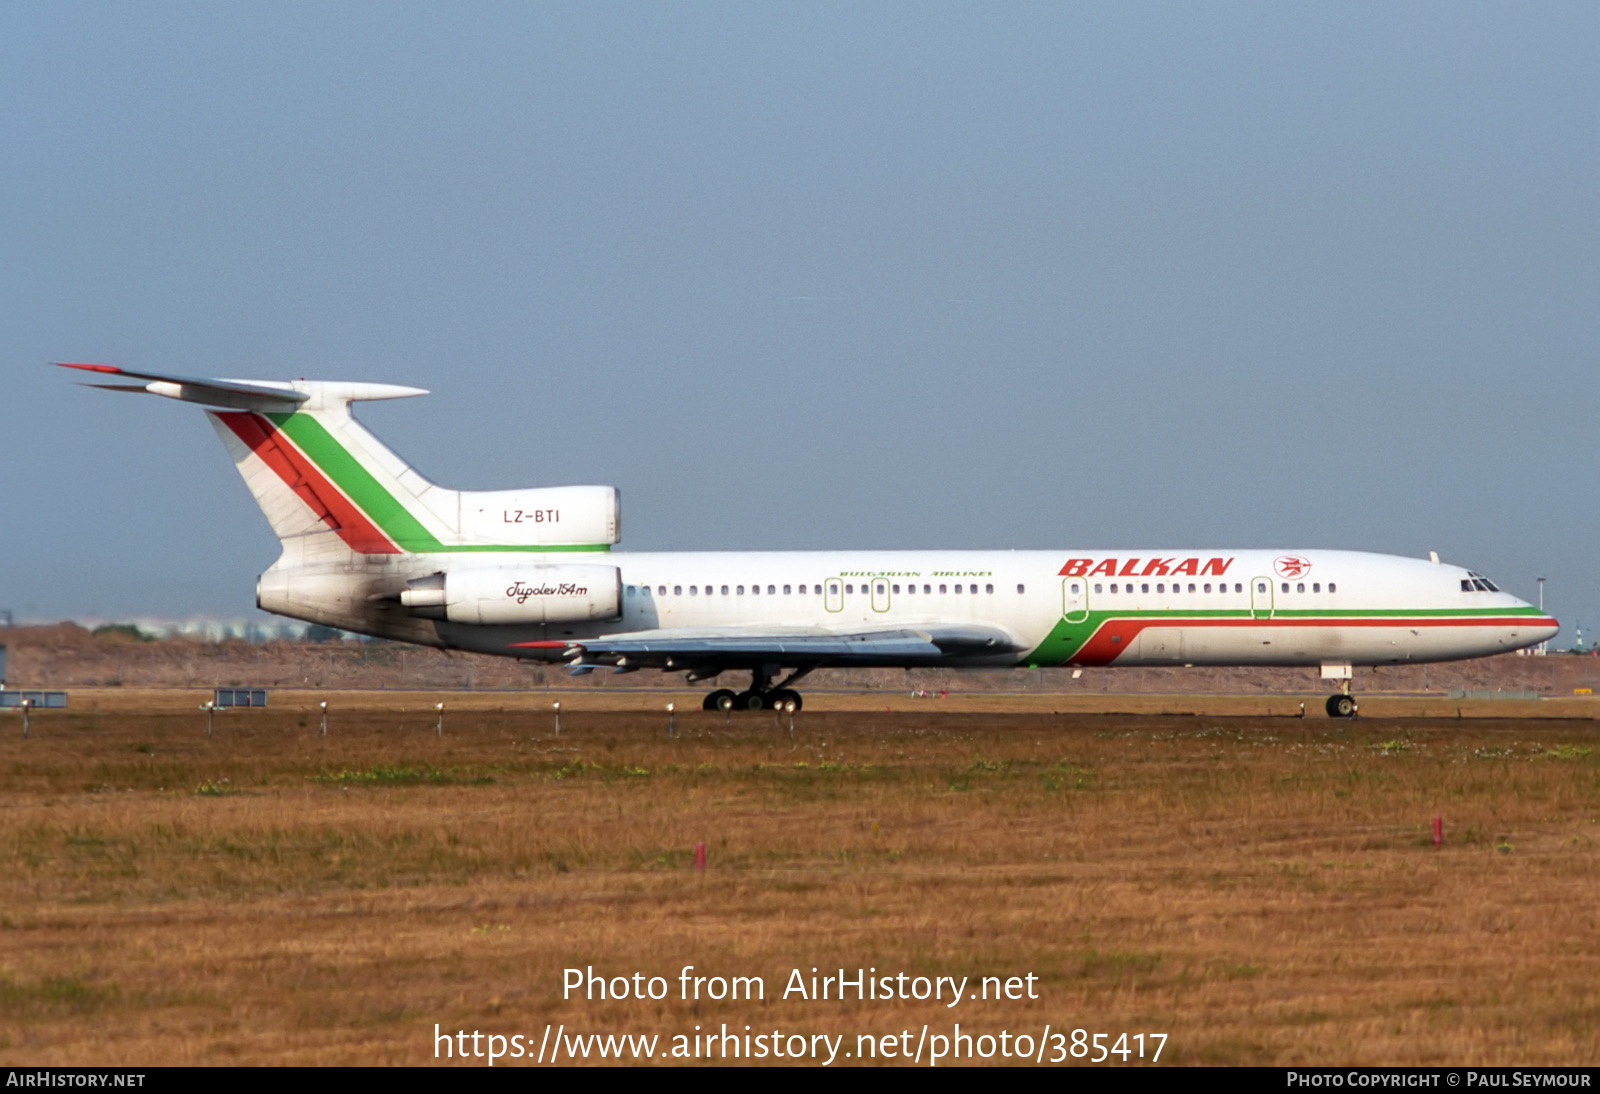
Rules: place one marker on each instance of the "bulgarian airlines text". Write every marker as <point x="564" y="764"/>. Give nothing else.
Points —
<point x="929" y="1045"/>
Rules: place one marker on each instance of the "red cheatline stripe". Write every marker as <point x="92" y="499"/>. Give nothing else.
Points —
<point x="1100" y="650"/>
<point x="538" y="645"/>
<point x="92" y="368"/>
<point x="308" y="483"/>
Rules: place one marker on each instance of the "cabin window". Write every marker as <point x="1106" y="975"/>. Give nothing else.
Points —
<point x="927" y="590"/>
<point x="1316" y="586"/>
<point x="1097" y="587"/>
<point x="943" y="589"/>
<point x="1332" y="588"/>
<point x="677" y="590"/>
<point x="1161" y="587"/>
<point x="1145" y="587"/>
<point x="741" y="589"/>
<point x="973" y="589"/>
<point x="772" y="590"/>
<point x="694" y="590"/>
<point x="1019" y="590"/>
<point x="1300" y="587"/>
<point x="1208" y="586"/>
<point x="988" y="588"/>
<point x="632" y="591"/>
<point x="1261" y="587"/>
<point x="894" y="589"/>
<point x="661" y="590"/>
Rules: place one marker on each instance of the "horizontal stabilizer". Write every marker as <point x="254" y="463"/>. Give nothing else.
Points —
<point x="263" y="396"/>
<point x="235" y="394"/>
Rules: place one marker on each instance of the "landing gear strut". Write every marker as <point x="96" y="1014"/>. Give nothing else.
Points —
<point x="761" y="695"/>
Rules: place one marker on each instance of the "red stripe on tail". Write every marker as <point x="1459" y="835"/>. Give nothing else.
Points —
<point x="309" y="484"/>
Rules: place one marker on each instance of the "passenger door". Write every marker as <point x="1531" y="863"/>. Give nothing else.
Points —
<point x="1261" y="598"/>
<point x="1074" y="599"/>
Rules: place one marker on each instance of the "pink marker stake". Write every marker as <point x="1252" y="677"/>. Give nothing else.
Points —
<point x="1438" y="831"/>
<point x="700" y="856"/>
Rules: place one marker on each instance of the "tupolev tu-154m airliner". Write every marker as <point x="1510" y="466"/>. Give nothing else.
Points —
<point x="371" y="546"/>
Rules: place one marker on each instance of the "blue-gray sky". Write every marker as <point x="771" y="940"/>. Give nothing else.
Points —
<point x="816" y="275"/>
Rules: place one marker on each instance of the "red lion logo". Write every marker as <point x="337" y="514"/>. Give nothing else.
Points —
<point x="1291" y="566"/>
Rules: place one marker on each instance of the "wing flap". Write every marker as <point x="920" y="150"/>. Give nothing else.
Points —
<point x="733" y="647"/>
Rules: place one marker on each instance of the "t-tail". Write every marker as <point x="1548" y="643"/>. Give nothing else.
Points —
<point x="343" y="504"/>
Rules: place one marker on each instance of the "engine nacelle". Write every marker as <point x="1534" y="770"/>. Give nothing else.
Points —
<point x="518" y="594"/>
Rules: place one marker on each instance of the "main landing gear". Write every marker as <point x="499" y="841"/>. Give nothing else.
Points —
<point x="761" y="695"/>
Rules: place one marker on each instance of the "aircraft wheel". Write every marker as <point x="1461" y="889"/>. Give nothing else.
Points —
<point x="1341" y="706"/>
<point x="717" y="698"/>
<point x="750" y="700"/>
<point x="784" y="696"/>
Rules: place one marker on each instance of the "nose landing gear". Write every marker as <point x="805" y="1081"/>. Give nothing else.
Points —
<point x="1342" y="705"/>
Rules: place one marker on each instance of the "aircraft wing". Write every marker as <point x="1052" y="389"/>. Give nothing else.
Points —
<point x="731" y="647"/>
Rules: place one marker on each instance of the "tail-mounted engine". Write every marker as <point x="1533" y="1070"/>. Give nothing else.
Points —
<point x="518" y="594"/>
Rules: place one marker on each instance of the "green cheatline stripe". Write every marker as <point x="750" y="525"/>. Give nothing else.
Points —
<point x="1068" y="637"/>
<point x="1411" y="613"/>
<point x="1314" y="613"/>
<point x="382" y="507"/>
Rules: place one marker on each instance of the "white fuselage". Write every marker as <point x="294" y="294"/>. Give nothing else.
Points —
<point x="1124" y="607"/>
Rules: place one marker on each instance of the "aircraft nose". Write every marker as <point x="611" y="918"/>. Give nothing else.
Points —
<point x="1543" y="625"/>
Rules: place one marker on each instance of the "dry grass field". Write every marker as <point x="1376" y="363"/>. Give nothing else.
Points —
<point x="1262" y="890"/>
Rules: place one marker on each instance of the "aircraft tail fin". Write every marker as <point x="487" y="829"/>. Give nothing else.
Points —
<point x="329" y="488"/>
<point x="326" y="485"/>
